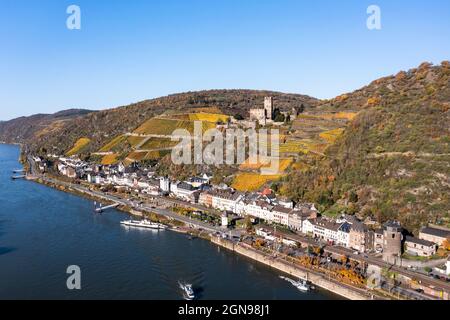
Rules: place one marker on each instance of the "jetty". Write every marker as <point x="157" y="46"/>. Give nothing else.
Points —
<point x="101" y="208"/>
<point x="18" y="177"/>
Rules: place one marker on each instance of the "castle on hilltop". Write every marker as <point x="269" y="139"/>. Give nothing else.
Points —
<point x="263" y="115"/>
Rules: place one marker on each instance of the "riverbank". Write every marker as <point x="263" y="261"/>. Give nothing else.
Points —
<point x="283" y="266"/>
<point x="278" y="264"/>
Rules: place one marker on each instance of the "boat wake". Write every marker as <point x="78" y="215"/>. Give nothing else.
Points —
<point x="188" y="292"/>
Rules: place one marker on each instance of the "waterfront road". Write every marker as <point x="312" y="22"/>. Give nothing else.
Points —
<point x="436" y="284"/>
<point x="129" y="203"/>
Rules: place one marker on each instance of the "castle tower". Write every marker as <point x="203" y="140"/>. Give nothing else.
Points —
<point x="392" y="242"/>
<point x="268" y="107"/>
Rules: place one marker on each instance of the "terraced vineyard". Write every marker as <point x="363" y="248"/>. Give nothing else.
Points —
<point x="310" y="126"/>
<point x="109" y="159"/>
<point x="165" y="127"/>
<point x="158" y="143"/>
<point x="79" y="146"/>
<point x="202" y="116"/>
<point x="302" y="146"/>
<point x="113" y="143"/>
<point x="252" y="181"/>
<point x="262" y="162"/>
<point x="332" y="135"/>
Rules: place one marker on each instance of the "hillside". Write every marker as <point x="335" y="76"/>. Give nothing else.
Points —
<point x="24" y="129"/>
<point x="393" y="160"/>
<point x="381" y="151"/>
<point x="100" y="127"/>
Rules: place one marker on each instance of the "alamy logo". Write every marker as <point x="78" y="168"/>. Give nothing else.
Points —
<point x="230" y="147"/>
<point x="73" y="22"/>
<point x="74" y="280"/>
<point x="374" y="19"/>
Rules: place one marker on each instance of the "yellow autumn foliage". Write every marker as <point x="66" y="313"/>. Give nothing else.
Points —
<point x="332" y="135"/>
<point x="252" y="181"/>
<point x="109" y="159"/>
<point x="209" y="117"/>
<point x="79" y="146"/>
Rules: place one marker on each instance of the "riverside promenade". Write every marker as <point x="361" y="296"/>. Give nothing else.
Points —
<point x="346" y="291"/>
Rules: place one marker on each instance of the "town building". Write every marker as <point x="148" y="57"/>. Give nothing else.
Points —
<point x="184" y="191"/>
<point x="343" y="235"/>
<point x="326" y="230"/>
<point x="285" y="202"/>
<point x="263" y="115"/>
<point x="225" y="222"/>
<point x="308" y="227"/>
<point x="281" y="215"/>
<point x="153" y="187"/>
<point x="392" y="242"/>
<point x="225" y="200"/>
<point x="164" y="184"/>
<point x="378" y="240"/>
<point x="419" y="247"/>
<point x="358" y="237"/>
<point x="205" y="199"/>
<point x="435" y="234"/>
<point x="295" y="221"/>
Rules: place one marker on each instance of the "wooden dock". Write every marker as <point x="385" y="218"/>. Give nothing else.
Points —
<point x="18" y="177"/>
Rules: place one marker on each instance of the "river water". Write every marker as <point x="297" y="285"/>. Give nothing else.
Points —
<point x="43" y="231"/>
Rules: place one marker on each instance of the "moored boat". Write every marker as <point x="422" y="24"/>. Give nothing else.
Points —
<point x="301" y="284"/>
<point x="143" y="224"/>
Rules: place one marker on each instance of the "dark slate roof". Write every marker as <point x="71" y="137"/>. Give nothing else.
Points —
<point x="393" y="224"/>
<point x="436" y="232"/>
<point x="419" y="241"/>
<point x="345" y="227"/>
<point x="185" y="186"/>
<point x="359" y="227"/>
<point x="330" y="225"/>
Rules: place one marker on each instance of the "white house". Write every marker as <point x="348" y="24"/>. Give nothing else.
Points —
<point x="281" y="215"/>
<point x="259" y="209"/>
<point x="326" y="230"/>
<point x="164" y="184"/>
<point x="224" y="220"/>
<point x="343" y="235"/>
<point x="183" y="190"/>
<point x="225" y="200"/>
<point x="307" y="227"/>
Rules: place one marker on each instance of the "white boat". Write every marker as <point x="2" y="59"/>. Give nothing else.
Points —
<point x="187" y="290"/>
<point x="143" y="224"/>
<point x="301" y="285"/>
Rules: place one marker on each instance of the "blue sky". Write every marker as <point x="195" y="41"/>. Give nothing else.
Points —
<point x="127" y="51"/>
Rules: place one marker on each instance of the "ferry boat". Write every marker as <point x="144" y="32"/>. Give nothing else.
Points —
<point x="143" y="224"/>
<point x="188" y="291"/>
<point x="301" y="285"/>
